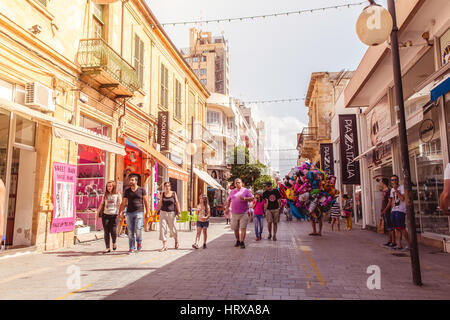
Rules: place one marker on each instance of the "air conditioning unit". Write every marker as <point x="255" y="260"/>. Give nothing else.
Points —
<point x="39" y="97"/>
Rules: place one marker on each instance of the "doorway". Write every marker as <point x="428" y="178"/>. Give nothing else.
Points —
<point x="21" y="198"/>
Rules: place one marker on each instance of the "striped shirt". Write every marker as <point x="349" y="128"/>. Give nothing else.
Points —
<point x="335" y="209"/>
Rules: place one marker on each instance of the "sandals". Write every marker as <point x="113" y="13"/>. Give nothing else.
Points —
<point x="163" y="249"/>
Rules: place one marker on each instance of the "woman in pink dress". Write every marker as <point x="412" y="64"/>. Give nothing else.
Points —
<point x="226" y="213"/>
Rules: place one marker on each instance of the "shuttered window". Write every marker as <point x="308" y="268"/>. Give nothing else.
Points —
<point x="177" y="99"/>
<point x="164" y="94"/>
<point x="139" y="59"/>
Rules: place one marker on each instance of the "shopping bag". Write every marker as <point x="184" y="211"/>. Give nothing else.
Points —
<point x="380" y="228"/>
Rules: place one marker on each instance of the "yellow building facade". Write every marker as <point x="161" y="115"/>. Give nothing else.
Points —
<point x="82" y="84"/>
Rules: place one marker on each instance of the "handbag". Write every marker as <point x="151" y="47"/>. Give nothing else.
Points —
<point x="102" y="210"/>
<point x="380" y="228"/>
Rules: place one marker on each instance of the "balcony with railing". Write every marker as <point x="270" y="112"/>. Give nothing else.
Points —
<point x="309" y="134"/>
<point x="99" y="62"/>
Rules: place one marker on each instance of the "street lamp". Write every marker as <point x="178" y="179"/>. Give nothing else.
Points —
<point x="191" y="149"/>
<point x="374" y="24"/>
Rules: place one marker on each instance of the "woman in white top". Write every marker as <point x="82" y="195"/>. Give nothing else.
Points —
<point x="111" y="202"/>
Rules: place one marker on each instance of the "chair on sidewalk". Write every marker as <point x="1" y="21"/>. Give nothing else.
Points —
<point x="184" y="218"/>
<point x="193" y="218"/>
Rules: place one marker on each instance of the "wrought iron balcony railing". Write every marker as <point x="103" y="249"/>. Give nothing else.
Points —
<point x="308" y="134"/>
<point x="95" y="54"/>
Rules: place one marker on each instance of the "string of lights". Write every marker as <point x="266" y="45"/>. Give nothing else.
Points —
<point x="349" y="5"/>
<point x="275" y="101"/>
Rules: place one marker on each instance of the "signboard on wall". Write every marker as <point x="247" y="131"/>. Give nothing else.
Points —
<point x="327" y="158"/>
<point x="64" y="179"/>
<point x="133" y="159"/>
<point x="163" y="130"/>
<point x="445" y="47"/>
<point x="350" y="170"/>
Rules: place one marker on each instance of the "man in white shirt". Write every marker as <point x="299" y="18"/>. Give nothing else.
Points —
<point x="398" y="213"/>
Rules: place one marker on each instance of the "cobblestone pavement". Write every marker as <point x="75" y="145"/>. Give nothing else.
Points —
<point x="296" y="266"/>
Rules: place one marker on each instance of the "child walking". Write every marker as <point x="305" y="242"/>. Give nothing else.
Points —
<point x="203" y="214"/>
<point x="258" y="214"/>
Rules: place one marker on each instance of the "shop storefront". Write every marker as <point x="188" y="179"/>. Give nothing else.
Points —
<point x="91" y="176"/>
<point x="153" y="169"/>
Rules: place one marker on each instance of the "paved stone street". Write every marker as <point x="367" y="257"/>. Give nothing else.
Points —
<point x="296" y="266"/>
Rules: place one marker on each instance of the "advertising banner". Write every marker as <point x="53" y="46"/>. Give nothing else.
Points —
<point x="327" y="158"/>
<point x="64" y="179"/>
<point x="163" y="130"/>
<point x="350" y="170"/>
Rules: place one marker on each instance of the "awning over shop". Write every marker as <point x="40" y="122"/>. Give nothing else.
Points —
<point x="89" y="138"/>
<point x="65" y="130"/>
<point x="174" y="170"/>
<point x="208" y="179"/>
<point x="440" y="89"/>
<point x="178" y="173"/>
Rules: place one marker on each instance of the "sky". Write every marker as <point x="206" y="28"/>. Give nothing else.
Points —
<point x="273" y="58"/>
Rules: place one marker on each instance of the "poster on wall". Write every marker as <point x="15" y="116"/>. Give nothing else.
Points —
<point x="64" y="179"/>
<point x="350" y="170"/>
<point x="327" y="158"/>
<point x="133" y="158"/>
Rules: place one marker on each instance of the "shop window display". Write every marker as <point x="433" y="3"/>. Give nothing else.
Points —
<point x="90" y="177"/>
<point x="428" y="174"/>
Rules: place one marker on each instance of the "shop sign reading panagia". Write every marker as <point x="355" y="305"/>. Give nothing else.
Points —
<point x="64" y="179"/>
<point x="163" y="130"/>
<point x="350" y="171"/>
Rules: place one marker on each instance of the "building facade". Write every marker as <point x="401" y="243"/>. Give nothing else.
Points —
<point x="208" y="57"/>
<point x="370" y="95"/>
<point x="323" y="90"/>
<point x="88" y="93"/>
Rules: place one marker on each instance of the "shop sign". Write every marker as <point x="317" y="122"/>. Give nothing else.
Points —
<point x="64" y="180"/>
<point x="163" y="130"/>
<point x="350" y="171"/>
<point x="327" y="158"/>
<point x="445" y="47"/>
<point x="426" y="131"/>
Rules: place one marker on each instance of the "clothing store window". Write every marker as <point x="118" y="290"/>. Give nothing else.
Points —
<point x="91" y="175"/>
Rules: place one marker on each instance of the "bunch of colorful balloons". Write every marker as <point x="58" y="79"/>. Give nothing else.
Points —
<point x="307" y="190"/>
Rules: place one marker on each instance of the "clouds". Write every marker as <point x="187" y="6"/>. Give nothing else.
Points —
<point x="281" y="134"/>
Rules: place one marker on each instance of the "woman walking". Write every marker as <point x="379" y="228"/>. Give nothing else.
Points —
<point x="348" y="210"/>
<point x="226" y="213"/>
<point x="258" y="214"/>
<point x="203" y="214"/>
<point x="109" y="209"/>
<point x="168" y="209"/>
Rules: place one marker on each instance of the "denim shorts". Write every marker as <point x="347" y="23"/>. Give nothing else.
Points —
<point x="398" y="220"/>
<point x="388" y="221"/>
<point x="202" y="224"/>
